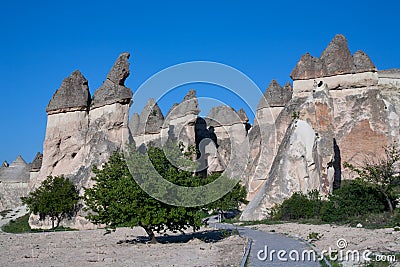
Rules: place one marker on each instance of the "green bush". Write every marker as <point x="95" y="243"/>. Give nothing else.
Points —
<point x="19" y="225"/>
<point x="395" y="221"/>
<point x="352" y="199"/>
<point x="299" y="206"/>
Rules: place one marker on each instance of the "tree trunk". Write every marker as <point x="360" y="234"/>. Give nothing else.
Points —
<point x="388" y="201"/>
<point x="52" y="222"/>
<point x="151" y="234"/>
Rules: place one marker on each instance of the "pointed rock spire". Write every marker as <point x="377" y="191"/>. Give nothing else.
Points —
<point x="72" y="95"/>
<point x="275" y="96"/>
<point x="337" y="57"/>
<point x="151" y="118"/>
<point x="19" y="161"/>
<point x="288" y="87"/>
<point x="362" y="62"/>
<point x="37" y="162"/>
<point x="222" y="115"/>
<point x="243" y="116"/>
<point x="308" y="67"/>
<point x="113" y="89"/>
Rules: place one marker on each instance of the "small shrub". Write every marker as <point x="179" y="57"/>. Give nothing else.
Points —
<point x="395" y="220"/>
<point x="314" y="236"/>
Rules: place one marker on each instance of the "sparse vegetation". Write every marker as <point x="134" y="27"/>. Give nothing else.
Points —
<point x="21" y="225"/>
<point x="382" y="174"/>
<point x="369" y="199"/>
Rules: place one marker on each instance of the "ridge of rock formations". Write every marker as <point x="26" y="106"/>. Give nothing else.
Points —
<point x="340" y="108"/>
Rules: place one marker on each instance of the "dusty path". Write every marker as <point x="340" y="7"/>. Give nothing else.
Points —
<point x="379" y="241"/>
<point x="277" y="242"/>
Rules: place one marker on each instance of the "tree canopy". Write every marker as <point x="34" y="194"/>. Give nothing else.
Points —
<point x="116" y="199"/>
<point x="56" y="197"/>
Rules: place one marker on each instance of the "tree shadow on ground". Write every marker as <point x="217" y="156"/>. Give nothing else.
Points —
<point x="209" y="236"/>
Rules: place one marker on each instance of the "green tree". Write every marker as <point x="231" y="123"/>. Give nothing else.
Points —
<point x="116" y="199"/>
<point x="382" y="173"/>
<point x="56" y="197"/>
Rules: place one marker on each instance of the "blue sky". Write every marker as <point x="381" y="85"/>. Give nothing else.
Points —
<point x="42" y="42"/>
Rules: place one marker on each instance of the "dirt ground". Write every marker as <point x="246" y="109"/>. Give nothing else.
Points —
<point x="379" y="241"/>
<point x="125" y="247"/>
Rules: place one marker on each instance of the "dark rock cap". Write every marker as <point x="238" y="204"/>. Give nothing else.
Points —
<point x="113" y="89"/>
<point x="151" y="118"/>
<point x="72" y="95"/>
<point x="37" y="162"/>
<point x="362" y="62"/>
<point x="222" y="115"/>
<point x="275" y="95"/>
<point x="336" y="59"/>
<point x="243" y="116"/>
<point x="189" y="105"/>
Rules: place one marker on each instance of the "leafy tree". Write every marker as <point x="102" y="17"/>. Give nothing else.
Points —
<point x="382" y="173"/>
<point x="116" y="199"/>
<point x="56" y="197"/>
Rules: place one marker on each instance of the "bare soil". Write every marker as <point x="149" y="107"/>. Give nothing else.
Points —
<point x="125" y="247"/>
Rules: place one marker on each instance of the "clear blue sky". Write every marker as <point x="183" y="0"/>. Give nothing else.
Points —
<point x="42" y="42"/>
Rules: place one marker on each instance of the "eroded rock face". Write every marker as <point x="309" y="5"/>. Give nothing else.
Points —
<point x="230" y="129"/>
<point x="81" y="137"/>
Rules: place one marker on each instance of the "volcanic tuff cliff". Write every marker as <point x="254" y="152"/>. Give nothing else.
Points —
<point x="340" y="108"/>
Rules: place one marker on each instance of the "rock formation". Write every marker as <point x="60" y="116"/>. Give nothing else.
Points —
<point x="151" y="128"/>
<point x="14" y="180"/>
<point x="82" y="132"/>
<point x="342" y="110"/>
